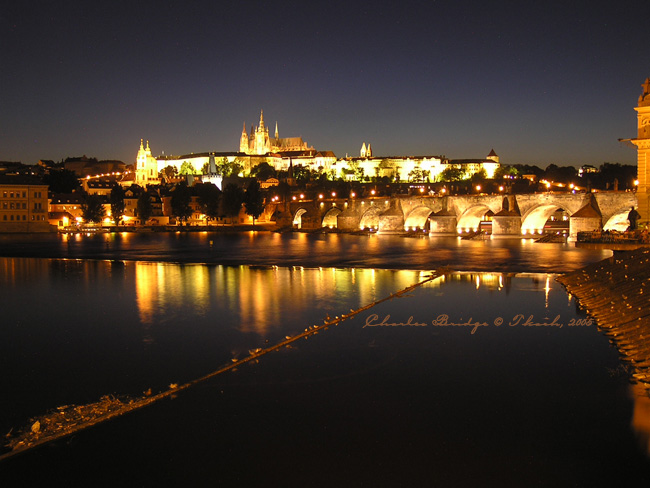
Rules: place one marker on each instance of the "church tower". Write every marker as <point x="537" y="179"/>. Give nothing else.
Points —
<point x="243" y="141"/>
<point x="364" y="152"/>
<point x="146" y="167"/>
<point x="642" y="142"/>
<point x="262" y="145"/>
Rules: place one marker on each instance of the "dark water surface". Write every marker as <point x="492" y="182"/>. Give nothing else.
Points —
<point x="310" y="250"/>
<point x="427" y="405"/>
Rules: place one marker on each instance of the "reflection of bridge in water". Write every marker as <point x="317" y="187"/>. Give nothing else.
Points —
<point x="511" y="215"/>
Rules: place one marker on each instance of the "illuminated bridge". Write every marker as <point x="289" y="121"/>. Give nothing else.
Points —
<point x="510" y="216"/>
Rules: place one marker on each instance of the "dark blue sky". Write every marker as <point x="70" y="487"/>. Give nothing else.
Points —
<point x="540" y="82"/>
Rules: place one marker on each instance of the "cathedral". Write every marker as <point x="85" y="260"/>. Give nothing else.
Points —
<point x="259" y="143"/>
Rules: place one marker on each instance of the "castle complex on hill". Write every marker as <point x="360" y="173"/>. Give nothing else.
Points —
<point x="257" y="146"/>
<point x="259" y="143"/>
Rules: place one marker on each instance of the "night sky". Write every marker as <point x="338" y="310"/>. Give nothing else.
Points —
<point x="540" y="82"/>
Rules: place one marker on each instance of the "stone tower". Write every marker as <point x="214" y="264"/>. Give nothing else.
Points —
<point x="642" y="142"/>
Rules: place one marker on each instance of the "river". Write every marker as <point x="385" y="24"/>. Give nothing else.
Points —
<point x="489" y="375"/>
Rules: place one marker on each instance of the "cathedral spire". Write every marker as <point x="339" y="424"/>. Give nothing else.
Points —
<point x="141" y="146"/>
<point x="276" y="130"/>
<point x="261" y="120"/>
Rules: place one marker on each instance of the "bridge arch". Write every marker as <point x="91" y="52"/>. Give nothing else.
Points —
<point x="618" y="221"/>
<point x="297" y="217"/>
<point x="330" y="219"/>
<point x="370" y="218"/>
<point x="533" y="221"/>
<point x="417" y="218"/>
<point x="471" y="218"/>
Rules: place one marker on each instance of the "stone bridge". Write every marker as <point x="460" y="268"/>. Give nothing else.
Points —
<point x="511" y="215"/>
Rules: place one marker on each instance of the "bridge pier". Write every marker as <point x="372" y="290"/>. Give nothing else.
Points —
<point x="587" y="219"/>
<point x="506" y="225"/>
<point x="443" y="223"/>
<point x="391" y="221"/>
<point x="348" y="220"/>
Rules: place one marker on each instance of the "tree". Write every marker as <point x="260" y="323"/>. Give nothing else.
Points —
<point x="169" y="171"/>
<point x="181" y="198"/>
<point x="481" y="174"/>
<point x="301" y="174"/>
<point x="209" y="196"/>
<point x="62" y="181"/>
<point x="92" y="209"/>
<point x="416" y="175"/>
<point x="505" y="170"/>
<point x="226" y="168"/>
<point x="264" y="171"/>
<point x="117" y="203"/>
<point x="254" y="200"/>
<point x="144" y="207"/>
<point x="452" y="174"/>
<point x="187" y="169"/>
<point x="233" y="197"/>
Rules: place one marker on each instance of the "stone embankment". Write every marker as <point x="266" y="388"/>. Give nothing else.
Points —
<point x="616" y="293"/>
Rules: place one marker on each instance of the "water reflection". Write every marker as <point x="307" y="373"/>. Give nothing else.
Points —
<point x="641" y="416"/>
<point x="258" y="297"/>
<point x="532" y="394"/>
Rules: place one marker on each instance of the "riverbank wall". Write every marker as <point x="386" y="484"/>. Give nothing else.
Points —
<point x="616" y="293"/>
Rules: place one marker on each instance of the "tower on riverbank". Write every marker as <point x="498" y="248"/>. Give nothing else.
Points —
<point x="642" y="142"/>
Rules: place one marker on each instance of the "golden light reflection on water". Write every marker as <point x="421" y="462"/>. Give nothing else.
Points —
<point x="162" y="286"/>
<point x="641" y="416"/>
<point x="257" y="298"/>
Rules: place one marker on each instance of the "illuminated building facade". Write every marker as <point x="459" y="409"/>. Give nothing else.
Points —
<point x="146" y="167"/>
<point x="23" y="204"/>
<point x="258" y="142"/>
